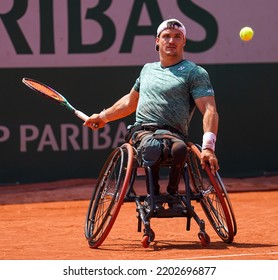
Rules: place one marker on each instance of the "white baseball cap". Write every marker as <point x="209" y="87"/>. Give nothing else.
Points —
<point x="172" y="24"/>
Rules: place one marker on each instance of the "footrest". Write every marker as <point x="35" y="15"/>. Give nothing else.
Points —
<point x="170" y="213"/>
<point x="167" y="199"/>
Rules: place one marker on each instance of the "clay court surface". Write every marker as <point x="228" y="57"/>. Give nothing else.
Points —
<point x="46" y="222"/>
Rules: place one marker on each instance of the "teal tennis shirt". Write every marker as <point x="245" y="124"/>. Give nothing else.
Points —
<point x="166" y="95"/>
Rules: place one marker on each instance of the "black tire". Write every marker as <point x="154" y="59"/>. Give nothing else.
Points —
<point x="214" y="199"/>
<point x="108" y="195"/>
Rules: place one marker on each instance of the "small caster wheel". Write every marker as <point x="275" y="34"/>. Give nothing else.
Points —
<point x="204" y="238"/>
<point x="147" y="239"/>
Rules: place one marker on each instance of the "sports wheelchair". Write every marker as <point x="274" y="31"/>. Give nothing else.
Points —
<point x="115" y="186"/>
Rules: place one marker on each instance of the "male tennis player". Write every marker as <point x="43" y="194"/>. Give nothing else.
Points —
<point x="164" y="98"/>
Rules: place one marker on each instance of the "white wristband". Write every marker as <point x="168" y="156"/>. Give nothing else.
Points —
<point x="103" y="116"/>
<point x="209" y="139"/>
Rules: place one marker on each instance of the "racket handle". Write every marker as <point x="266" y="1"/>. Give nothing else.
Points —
<point x="81" y="115"/>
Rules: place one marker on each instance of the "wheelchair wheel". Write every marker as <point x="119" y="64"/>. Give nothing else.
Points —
<point x="214" y="197"/>
<point x="228" y="202"/>
<point x="108" y="195"/>
<point x="224" y="194"/>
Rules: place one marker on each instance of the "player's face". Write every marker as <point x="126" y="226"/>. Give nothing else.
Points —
<point x="171" y="42"/>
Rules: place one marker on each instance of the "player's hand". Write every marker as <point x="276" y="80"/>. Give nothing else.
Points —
<point x="209" y="156"/>
<point x="94" y="122"/>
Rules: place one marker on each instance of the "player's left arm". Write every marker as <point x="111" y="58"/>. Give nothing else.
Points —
<point x="207" y="107"/>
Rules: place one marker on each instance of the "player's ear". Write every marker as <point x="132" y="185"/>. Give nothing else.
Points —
<point x="156" y="43"/>
<point x="184" y="43"/>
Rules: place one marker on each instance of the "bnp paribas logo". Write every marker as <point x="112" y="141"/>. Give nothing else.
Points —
<point x="181" y="68"/>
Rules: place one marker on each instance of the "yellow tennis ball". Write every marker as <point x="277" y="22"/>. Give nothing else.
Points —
<point x="246" y="33"/>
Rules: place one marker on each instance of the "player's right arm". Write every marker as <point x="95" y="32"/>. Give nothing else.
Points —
<point x="120" y="109"/>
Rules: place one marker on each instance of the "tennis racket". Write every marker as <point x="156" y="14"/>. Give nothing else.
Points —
<point x="54" y="96"/>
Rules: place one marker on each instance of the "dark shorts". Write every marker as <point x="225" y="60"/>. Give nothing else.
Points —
<point x="153" y="145"/>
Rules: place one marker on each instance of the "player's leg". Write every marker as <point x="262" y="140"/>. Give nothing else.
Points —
<point x="178" y="155"/>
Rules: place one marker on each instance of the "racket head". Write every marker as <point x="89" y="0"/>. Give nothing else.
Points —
<point x="47" y="91"/>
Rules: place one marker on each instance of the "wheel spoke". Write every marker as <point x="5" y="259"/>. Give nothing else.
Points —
<point x="214" y="199"/>
<point x="109" y="194"/>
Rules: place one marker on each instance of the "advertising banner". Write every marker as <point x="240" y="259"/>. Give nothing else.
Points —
<point x="92" y="51"/>
<point x="75" y="33"/>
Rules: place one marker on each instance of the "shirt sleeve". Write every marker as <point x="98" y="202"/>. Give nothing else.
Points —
<point x="136" y="86"/>
<point x="200" y="84"/>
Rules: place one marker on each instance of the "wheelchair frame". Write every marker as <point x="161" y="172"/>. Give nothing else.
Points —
<point x="115" y="186"/>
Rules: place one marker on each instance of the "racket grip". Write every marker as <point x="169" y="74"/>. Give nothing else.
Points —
<point x="81" y="115"/>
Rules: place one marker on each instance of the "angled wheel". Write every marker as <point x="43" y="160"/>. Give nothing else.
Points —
<point x="108" y="195"/>
<point x="228" y="202"/>
<point x="224" y="194"/>
<point x="215" y="201"/>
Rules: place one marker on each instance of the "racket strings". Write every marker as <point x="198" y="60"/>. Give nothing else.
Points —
<point x="46" y="90"/>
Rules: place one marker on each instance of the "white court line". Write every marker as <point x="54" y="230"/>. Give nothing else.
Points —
<point x="227" y="256"/>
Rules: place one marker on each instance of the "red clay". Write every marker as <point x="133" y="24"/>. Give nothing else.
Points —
<point x="36" y="224"/>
